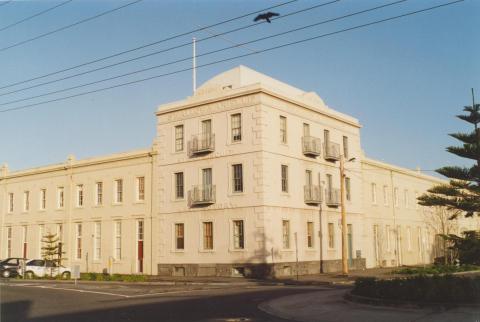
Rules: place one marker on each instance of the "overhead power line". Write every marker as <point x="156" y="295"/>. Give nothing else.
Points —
<point x="35" y="15"/>
<point x="200" y="55"/>
<point x="146" y="45"/>
<point x="235" y="57"/>
<point x="168" y="49"/>
<point x="68" y="26"/>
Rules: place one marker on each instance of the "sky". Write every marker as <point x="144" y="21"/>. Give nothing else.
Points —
<point x="405" y="80"/>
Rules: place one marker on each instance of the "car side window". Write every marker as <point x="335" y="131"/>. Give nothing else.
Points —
<point x="37" y="262"/>
<point x="51" y="264"/>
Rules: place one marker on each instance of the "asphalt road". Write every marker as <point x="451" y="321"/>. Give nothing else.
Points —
<point x="103" y="302"/>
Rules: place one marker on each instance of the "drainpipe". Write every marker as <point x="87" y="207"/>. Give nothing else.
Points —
<point x="152" y="176"/>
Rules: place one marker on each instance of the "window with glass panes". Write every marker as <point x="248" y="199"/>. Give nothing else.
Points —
<point x="43" y="198"/>
<point x="284" y="175"/>
<point x="99" y="193"/>
<point x="237" y="176"/>
<point x="283" y="129"/>
<point x="9" y="241"/>
<point x="208" y="235"/>
<point x="179" y="134"/>
<point x="119" y="190"/>
<point x="60" y="197"/>
<point x="26" y="201"/>
<point x="118" y="240"/>
<point x="348" y="194"/>
<point x="80" y="195"/>
<point x="179" y="185"/>
<point x="179" y="236"/>
<point x="310" y="234"/>
<point x="236" y="123"/>
<point x="141" y="188"/>
<point x="97" y="247"/>
<point x="10" y="202"/>
<point x="286" y="233"/>
<point x="331" y="235"/>
<point x="78" y="233"/>
<point x="238" y="235"/>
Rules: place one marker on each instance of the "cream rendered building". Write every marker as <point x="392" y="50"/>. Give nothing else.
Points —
<point x="242" y="179"/>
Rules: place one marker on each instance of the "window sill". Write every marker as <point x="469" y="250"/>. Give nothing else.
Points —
<point x="206" y="250"/>
<point x="79" y="207"/>
<point x="97" y="206"/>
<point x="178" y="251"/>
<point x="237" y="250"/>
<point x="115" y="204"/>
<point x="179" y="200"/>
<point x="139" y="202"/>
<point x="237" y="194"/>
<point x="60" y="209"/>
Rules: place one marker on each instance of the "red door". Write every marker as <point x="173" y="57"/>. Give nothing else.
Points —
<point x="140" y="256"/>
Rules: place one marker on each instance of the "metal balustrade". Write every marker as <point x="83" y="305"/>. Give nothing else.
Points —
<point x="331" y="151"/>
<point x="332" y="197"/>
<point x="311" y="146"/>
<point x="312" y="194"/>
<point x="202" y="195"/>
<point x="201" y="144"/>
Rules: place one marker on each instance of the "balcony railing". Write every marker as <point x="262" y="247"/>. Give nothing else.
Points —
<point x="311" y="146"/>
<point x="202" y="195"/>
<point x="332" y="151"/>
<point x="332" y="197"/>
<point x="312" y="194"/>
<point x="201" y="143"/>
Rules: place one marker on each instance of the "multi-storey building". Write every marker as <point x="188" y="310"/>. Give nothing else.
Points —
<point x="242" y="179"/>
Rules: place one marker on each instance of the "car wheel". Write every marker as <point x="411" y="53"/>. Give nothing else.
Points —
<point x="29" y="275"/>
<point x="66" y="275"/>
<point x="6" y="273"/>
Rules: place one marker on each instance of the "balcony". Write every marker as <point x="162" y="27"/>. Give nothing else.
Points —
<point x="202" y="143"/>
<point x="311" y="146"/>
<point x="312" y="194"/>
<point x="332" y="151"/>
<point x="202" y="195"/>
<point x="332" y="197"/>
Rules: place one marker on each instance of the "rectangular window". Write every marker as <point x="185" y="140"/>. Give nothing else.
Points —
<point x="25" y="241"/>
<point x="385" y="195"/>
<point x="10" y="201"/>
<point x="395" y="197"/>
<point x="409" y="239"/>
<point x="60" y="197"/>
<point x="118" y="190"/>
<point x="140" y="188"/>
<point x="286" y="234"/>
<point x="118" y="240"/>
<point x="284" y="178"/>
<point x="179" y="236"/>
<point x="99" y="193"/>
<point x="80" y="195"/>
<point x="179" y="135"/>
<point x="306" y="130"/>
<point x="331" y="235"/>
<point x="308" y="178"/>
<point x="237" y="176"/>
<point x="387" y="232"/>
<point x="238" y="234"/>
<point x="374" y="193"/>
<point x="348" y="194"/>
<point x="43" y="199"/>
<point x="345" y="147"/>
<point x="309" y="234"/>
<point x="60" y="232"/>
<point x="78" y="238"/>
<point x="405" y="196"/>
<point x="179" y="185"/>
<point x="416" y="200"/>
<point x="326" y="137"/>
<point x="9" y="242"/>
<point x="236" y="122"/>
<point x="97" y="241"/>
<point x="329" y="183"/>
<point x="26" y="200"/>
<point x="208" y="235"/>
<point x="283" y="129"/>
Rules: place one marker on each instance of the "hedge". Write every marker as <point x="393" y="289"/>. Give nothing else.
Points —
<point x="421" y="289"/>
<point x="113" y="277"/>
<point x="436" y="269"/>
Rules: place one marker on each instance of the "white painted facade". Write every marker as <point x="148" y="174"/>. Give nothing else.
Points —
<point x="239" y="216"/>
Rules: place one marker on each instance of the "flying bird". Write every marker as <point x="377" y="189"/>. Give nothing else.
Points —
<point x="266" y="16"/>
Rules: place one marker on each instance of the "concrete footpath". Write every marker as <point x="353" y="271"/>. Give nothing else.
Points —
<point x="329" y="305"/>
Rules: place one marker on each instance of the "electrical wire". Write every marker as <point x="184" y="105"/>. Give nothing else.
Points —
<point x="67" y="27"/>
<point x="235" y="57"/>
<point x="144" y="46"/>
<point x="35" y="15"/>
<point x="169" y="49"/>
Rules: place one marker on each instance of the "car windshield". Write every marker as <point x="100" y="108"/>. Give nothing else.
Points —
<point x="11" y="261"/>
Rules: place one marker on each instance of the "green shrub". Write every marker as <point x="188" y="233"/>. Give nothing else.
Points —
<point x="439" y="289"/>
<point x="113" y="277"/>
<point x="436" y="269"/>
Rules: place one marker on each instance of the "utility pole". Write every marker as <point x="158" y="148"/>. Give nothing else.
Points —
<point x="344" y="220"/>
